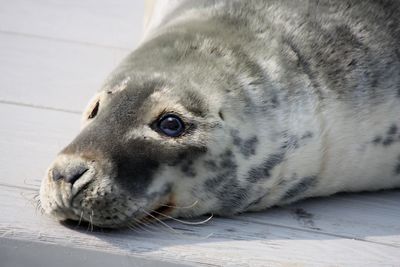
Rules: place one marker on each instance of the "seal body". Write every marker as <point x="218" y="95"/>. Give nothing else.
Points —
<point x="279" y="101"/>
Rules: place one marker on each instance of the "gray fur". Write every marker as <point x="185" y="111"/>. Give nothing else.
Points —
<point x="239" y="73"/>
<point x="226" y="169"/>
<point x="390" y="137"/>
<point x="264" y="170"/>
<point x="247" y="147"/>
<point x="300" y="188"/>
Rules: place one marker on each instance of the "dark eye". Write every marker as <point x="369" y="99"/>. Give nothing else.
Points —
<point x="171" y="125"/>
<point x="94" y="110"/>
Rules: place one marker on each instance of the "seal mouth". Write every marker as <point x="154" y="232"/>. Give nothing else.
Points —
<point x="80" y="190"/>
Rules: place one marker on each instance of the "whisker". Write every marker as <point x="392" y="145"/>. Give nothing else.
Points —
<point x="35" y="186"/>
<point x="39" y="206"/>
<point x="146" y="222"/>
<point x="150" y="224"/>
<point x="189" y="223"/>
<point x="33" y="180"/>
<point x="184" y="207"/>
<point x="161" y="222"/>
<point x="88" y="226"/>
<point x="80" y="219"/>
<point x="34" y="194"/>
<point x="34" y="201"/>
<point x="90" y="223"/>
<point x="142" y="225"/>
<point x="30" y="200"/>
<point x="184" y="222"/>
<point x="132" y="227"/>
<point x="36" y="208"/>
<point x="25" y="194"/>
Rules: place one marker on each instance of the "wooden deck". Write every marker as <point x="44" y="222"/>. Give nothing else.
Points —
<point x="53" y="56"/>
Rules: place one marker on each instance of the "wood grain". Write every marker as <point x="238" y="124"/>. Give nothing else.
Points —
<point x="97" y="22"/>
<point x="53" y="56"/>
<point x="52" y="73"/>
<point x="30" y="139"/>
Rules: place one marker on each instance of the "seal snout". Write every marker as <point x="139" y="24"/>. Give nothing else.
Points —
<point x="66" y="177"/>
<point x="70" y="173"/>
<point x="71" y="170"/>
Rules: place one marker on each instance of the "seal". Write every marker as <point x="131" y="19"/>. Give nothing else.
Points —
<point x="234" y="106"/>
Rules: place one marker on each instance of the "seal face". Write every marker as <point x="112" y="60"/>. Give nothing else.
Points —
<point x="232" y="106"/>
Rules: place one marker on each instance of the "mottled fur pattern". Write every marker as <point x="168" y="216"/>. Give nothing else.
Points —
<point x="282" y="100"/>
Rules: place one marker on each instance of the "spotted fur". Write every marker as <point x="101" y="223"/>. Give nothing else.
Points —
<point x="281" y="100"/>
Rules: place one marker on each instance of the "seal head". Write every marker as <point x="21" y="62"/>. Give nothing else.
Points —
<point x="151" y="136"/>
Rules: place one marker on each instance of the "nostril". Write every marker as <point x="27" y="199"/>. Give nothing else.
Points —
<point x="69" y="174"/>
<point x="56" y="175"/>
<point x="75" y="174"/>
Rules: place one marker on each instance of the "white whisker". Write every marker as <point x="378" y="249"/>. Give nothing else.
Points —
<point x="91" y="221"/>
<point x="132" y="227"/>
<point x="161" y="222"/>
<point x="33" y="183"/>
<point x="184" y="207"/>
<point x="141" y="226"/>
<point x="184" y="222"/>
<point x="80" y="218"/>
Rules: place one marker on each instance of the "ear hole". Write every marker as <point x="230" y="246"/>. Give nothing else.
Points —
<point x="94" y="110"/>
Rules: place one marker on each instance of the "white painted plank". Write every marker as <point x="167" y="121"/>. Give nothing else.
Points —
<point x="233" y="242"/>
<point x="366" y="216"/>
<point x="30" y="139"/>
<point x="35" y="254"/>
<point x="102" y="22"/>
<point x="52" y="73"/>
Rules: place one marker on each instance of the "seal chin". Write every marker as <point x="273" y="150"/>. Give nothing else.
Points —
<point x="103" y="212"/>
<point x="70" y="219"/>
<point x="116" y="219"/>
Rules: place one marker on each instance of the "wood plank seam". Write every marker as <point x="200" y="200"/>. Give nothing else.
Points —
<point x="6" y="186"/>
<point x="43" y="37"/>
<point x="21" y="104"/>
<point x="317" y="232"/>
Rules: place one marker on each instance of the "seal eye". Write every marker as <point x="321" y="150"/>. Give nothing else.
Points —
<point x="94" y="110"/>
<point x="171" y="125"/>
